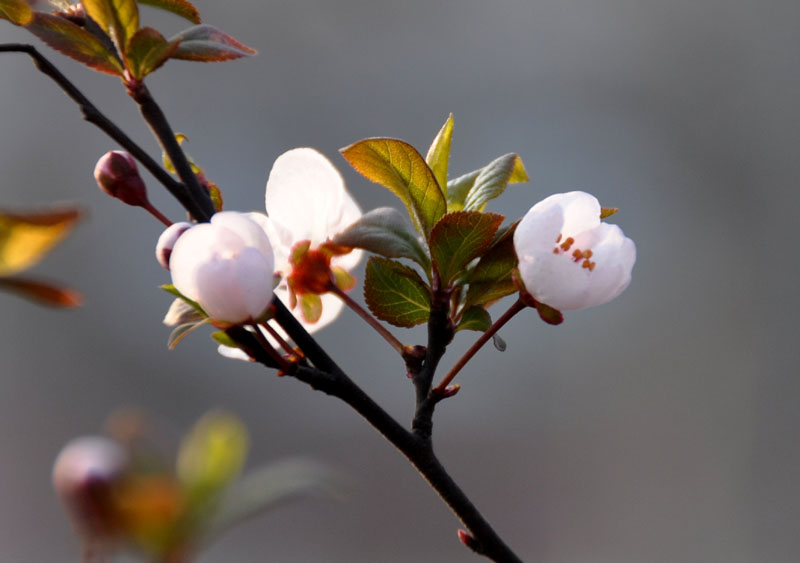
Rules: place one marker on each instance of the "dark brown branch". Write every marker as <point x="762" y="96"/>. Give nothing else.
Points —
<point x="95" y="116"/>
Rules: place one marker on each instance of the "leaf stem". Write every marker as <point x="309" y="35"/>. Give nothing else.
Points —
<point x="369" y="319"/>
<point x="484" y="338"/>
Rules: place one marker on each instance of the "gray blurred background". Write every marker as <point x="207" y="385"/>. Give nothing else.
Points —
<point x="662" y="427"/>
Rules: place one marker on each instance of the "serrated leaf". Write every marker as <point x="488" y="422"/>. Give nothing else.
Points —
<point x="43" y="293"/>
<point x="147" y="50"/>
<point x="475" y="318"/>
<point x="395" y="293"/>
<point x="181" y="8"/>
<point x="25" y="238"/>
<point x="118" y="18"/>
<point x="182" y="331"/>
<point x="206" y="43"/>
<point x="17" y="12"/>
<point x="387" y="232"/>
<point x="398" y="166"/>
<point x="270" y="486"/>
<point x="172" y="290"/>
<point x="438" y="157"/>
<point x="490" y="279"/>
<point x="74" y="42"/>
<point x="212" y="455"/>
<point x="494" y="177"/>
<point x="459" y="238"/>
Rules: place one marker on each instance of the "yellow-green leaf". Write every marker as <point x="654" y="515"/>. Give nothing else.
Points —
<point x="459" y="238"/>
<point x="475" y="318"/>
<point x="398" y="166"/>
<point x="17" y="12"/>
<point x="25" y="238"/>
<point x="74" y="41"/>
<point x="43" y="293"/>
<point x="438" y="157"/>
<point x="212" y="454"/>
<point x="118" y="18"/>
<point x="473" y="190"/>
<point x="606" y="212"/>
<point x="147" y="50"/>
<point x="181" y="8"/>
<point x="395" y="293"/>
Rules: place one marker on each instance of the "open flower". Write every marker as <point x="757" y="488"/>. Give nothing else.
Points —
<point x="568" y="258"/>
<point x="226" y="266"/>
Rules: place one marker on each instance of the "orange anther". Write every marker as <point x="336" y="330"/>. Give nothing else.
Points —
<point x="567" y="244"/>
<point x="559" y="238"/>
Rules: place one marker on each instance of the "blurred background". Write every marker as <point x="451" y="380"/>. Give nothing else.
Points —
<point x="662" y="427"/>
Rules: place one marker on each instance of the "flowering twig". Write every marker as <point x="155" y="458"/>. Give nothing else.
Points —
<point x="518" y="306"/>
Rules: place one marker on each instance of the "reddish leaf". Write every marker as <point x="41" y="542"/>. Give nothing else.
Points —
<point x="43" y="293"/>
<point x="17" y="12"/>
<point x="181" y="8"/>
<point x="75" y="42"/>
<point x="206" y="43"/>
<point x="147" y="50"/>
<point x="118" y="18"/>
<point x="460" y="237"/>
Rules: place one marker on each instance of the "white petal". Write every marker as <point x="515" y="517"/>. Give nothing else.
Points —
<point x="166" y="242"/>
<point x="250" y="232"/>
<point x="197" y="245"/>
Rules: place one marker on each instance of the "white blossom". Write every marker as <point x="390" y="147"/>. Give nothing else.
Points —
<point x="570" y="259"/>
<point x="226" y="266"/>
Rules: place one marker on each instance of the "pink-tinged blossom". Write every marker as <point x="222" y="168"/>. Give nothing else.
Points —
<point x="568" y="258"/>
<point x="166" y="242"/>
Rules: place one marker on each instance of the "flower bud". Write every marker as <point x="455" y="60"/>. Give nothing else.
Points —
<point x="85" y="475"/>
<point x="117" y="174"/>
<point x="226" y="266"/>
<point x="568" y="258"/>
<point x="166" y="242"/>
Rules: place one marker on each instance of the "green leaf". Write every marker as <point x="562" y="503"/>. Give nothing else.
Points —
<point x="206" y="43"/>
<point x="395" y="293"/>
<point x="25" y="238"/>
<point x="172" y="290"/>
<point x="459" y="238"/>
<point x="398" y="166"/>
<point x="387" y="232"/>
<point x="180" y="312"/>
<point x="182" y="331"/>
<point x="43" y="293"/>
<point x="491" y="278"/>
<point x="147" y="50"/>
<point x="549" y="315"/>
<point x="74" y="42"/>
<point x="181" y="8"/>
<point x="473" y="190"/>
<point x="212" y="455"/>
<point x="438" y="156"/>
<point x="222" y="337"/>
<point x="118" y="18"/>
<point x="17" y="12"/>
<point x="606" y="212"/>
<point x="310" y="307"/>
<point x="475" y="318"/>
<point x="271" y="486"/>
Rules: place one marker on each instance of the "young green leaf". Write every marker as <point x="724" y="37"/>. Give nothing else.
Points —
<point x="118" y="18"/>
<point x="17" y="12"/>
<point x="147" y="50"/>
<point x="25" y="238"/>
<point x="75" y="42"/>
<point x="181" y="8"/>
<point x="181" y="331"/>
<point x="206" y="43"/>
<point x="438" y="156"/>
<point x="491" y="278"/>
<point x="471" y="191"/>
<point x="475" y="318"/>
<point x="387" y="232"/>
<point x="43" y="293"/>
<point x="459" y="238"/>
<point x="398" y="166"/>
<point x="172" y="290"/>
<point x="222" y="337"/>
<point x="395" y="293"/>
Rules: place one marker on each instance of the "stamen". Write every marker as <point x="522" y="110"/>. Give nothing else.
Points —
<point x="559" y="238"/>
<point x="565" y="246"/>
<point x="555" y="250"/>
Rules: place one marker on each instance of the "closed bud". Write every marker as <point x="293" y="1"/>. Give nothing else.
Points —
<point x="117" y="174"/>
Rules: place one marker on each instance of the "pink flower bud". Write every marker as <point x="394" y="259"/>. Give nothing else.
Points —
<point x="167" y="240"/>
<point x="84" y="476"/>
<point x="117" y="175"/>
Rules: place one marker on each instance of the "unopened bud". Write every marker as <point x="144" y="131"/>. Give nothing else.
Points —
<point x="84" y="476"/>
<point x="117" y="174"/>
<point x="166" y="242"/>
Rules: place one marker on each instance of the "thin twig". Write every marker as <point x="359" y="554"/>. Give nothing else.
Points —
<point x="369" y="319"/>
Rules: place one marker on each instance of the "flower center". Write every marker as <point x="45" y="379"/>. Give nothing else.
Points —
<point x="578" y="256"/>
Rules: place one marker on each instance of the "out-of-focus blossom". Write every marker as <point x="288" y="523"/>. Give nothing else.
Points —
<point x="568" y="258"/>
<point x="226" y="266"/>
<point x="166" y="242"/>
